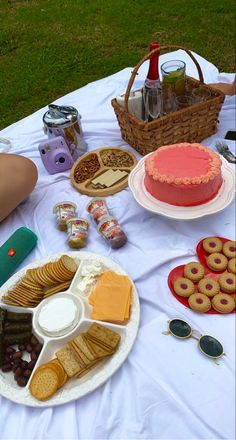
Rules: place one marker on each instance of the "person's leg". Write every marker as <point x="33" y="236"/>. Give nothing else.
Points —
<point x="18" y="177"/>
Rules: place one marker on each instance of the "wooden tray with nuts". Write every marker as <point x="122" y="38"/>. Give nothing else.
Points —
<point x="102" y="172"/>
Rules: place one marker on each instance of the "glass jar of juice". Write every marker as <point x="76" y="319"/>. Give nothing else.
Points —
<point x="173" y="76"/>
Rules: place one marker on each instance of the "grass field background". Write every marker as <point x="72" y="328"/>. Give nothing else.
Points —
<point x="51" y="47"/>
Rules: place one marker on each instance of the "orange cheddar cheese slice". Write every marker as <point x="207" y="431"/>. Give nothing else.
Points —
<point x="111" y="299"/>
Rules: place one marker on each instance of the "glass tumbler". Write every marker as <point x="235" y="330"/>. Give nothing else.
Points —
<point x="168" y="101"/>
<point x="173" y="76"/>
<point x="153" y="103"/>
<point x="183" y="101"/>
<point x="200" y="94"/>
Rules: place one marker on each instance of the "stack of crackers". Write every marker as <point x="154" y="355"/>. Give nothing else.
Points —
<point x="112" y="298"/>
<point x="87" y="349"/>
<point x="42" y="282"/>
<point x="47" y="379"/>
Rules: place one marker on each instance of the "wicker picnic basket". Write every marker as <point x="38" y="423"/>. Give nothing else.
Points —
<point x="191" y="124"/>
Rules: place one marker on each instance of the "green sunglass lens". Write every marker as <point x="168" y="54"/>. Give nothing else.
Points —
<point x="180" y="328"/>
<point x="211" y="346"/>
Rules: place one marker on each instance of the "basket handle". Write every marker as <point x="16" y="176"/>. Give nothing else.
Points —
<point x="146" y="57"/>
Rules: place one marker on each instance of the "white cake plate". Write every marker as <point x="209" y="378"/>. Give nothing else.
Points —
<point x="224" y="197"/>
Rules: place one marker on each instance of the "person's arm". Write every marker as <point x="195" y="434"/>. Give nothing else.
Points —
<point x="18" y="177"/>
<point x="226" y="88"/>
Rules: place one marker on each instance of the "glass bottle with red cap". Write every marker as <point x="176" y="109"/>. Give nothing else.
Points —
<point x="152" y="87"/>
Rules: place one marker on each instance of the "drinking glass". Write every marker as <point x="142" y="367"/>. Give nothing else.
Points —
<point x="168" y="101"/>
<point x="153" y="104"/>
<point x="173" y="76"/>
<point x="200" y="94"/>
<point x="183" y="101"/>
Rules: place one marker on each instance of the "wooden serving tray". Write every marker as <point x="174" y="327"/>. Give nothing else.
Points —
<point x="94" y="164"/>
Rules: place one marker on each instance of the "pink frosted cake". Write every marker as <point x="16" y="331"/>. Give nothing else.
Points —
<point x="183" y="174"/>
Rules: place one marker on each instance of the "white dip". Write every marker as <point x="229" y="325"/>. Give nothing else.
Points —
<point x="58" y="316"/>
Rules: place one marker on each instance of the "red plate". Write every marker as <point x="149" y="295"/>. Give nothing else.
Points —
<point x="202" y="256"/>
<point x="178" y="272"/>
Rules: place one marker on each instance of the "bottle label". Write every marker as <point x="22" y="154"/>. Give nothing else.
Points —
<point x="110" y="229"/>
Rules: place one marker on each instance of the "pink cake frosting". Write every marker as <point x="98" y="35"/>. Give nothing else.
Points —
<point x="183" y="174"/>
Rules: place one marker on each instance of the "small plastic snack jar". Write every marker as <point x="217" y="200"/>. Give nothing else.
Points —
<point x="110" y="229"/>
<point x="77" y="229"/>
<point x="63" y="211"/>
<point x="97" y="208"/>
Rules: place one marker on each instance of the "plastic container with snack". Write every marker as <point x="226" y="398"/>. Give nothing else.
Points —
<point x="97" y="208"/>
<point x="111" y="231"/>
<point x="63" y="211"/>
<point x="77" y="229"/>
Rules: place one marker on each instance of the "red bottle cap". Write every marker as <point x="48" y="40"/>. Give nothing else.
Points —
<point x="153" y="65"/>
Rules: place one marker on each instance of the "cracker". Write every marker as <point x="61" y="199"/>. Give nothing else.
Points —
<point x="63" y="377"/>
<point x="68" y="263"/>
<point x="81" y="343"/>
<point x="48" y="269"/>
<point x="30" y="276"/>
<point x="57" y="367"/>
<point x="58" y="275"/>
<point x="103" y="336"/>
<point x="69" y="361"/>
<point x="99" y="351"/>
<point x="8" y="301"/>
<point x="82" y="358"/>
<point x="56" y="289"/>
<point x="86" y="370"/>
<point x="44" y="383"/>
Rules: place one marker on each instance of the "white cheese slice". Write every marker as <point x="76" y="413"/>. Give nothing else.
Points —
<point x="58" y="316"/>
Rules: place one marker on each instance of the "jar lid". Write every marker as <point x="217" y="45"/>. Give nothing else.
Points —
<point x="79" y="219"/>
<point x="73" y="205"/>
<point x="60" y="116"/>
<point x="95" y="200"/>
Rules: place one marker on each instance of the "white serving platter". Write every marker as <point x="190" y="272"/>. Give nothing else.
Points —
<point x="74" y="388"/>
<point x="223" y="199"/>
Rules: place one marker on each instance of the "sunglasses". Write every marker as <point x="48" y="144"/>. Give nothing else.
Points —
<point x="208" y="345"/>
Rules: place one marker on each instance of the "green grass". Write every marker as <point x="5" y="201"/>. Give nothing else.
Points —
<point x="51" y="47"/>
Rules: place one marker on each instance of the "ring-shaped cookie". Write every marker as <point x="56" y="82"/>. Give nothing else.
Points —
<point x="199" y="302"/>
<point x="223" y="303"/>
<point x="208" y="286"/>
<point x="194" y="271"/>
<point x="227" y="282"/>
<point x="229" y="249"/>
<point x="217" y="262"/>
<point x="212" y="245"/>
<point x="232" y="265"/>
<point x="183" y="287"/>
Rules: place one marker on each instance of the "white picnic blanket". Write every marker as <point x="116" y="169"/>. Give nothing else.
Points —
<point x="166" y="389"/>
